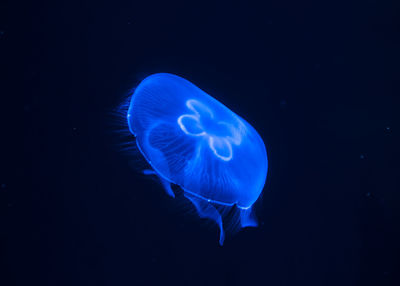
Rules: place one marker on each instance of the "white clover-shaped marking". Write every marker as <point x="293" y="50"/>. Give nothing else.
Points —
<point x="201" y="123"/>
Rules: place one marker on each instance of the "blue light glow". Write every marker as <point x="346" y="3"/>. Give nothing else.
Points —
<point x="192" y="140"/>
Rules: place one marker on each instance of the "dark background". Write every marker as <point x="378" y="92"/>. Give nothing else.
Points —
<point x="319" y="80"/>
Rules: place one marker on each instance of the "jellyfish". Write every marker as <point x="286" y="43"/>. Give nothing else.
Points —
<point x="193" y="141"/>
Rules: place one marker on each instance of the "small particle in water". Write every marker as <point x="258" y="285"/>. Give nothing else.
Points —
<point x="362" y="156"/>
<point x="368" y="194"/>
<point x="3" y="186"/>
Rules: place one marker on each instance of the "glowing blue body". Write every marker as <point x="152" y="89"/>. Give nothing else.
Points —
<point x="192" y="140"/>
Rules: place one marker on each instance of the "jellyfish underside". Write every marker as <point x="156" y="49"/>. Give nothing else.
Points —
<point x="193" y="141"/>
<point x="205" y="208"/>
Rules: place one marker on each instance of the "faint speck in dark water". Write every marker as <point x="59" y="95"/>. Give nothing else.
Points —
<point x="3" y="186"/>
<point x="27" y="108"/>
<point x="2" y="34"/>
<point x="362" y="156"/>
<point x="387" y="128"/>
<point x="283" y="103"/>
<point x="368" y="195"/>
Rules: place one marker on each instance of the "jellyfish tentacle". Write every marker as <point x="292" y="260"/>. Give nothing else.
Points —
<point x="164" y="182"/>
<point x="206" y="210"/>
<point x="167" y="187"/>
<point x="247" y="217"/>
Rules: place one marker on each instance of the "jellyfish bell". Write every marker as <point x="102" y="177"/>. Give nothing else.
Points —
<point x="192" y="140"/>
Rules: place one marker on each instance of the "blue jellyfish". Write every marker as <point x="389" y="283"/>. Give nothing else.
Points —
<point x="192" y="140"/>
